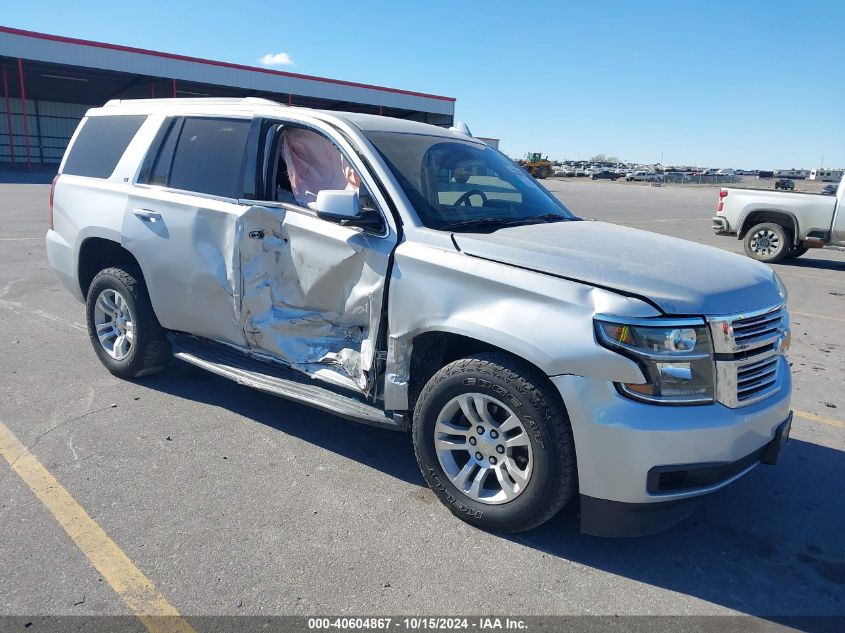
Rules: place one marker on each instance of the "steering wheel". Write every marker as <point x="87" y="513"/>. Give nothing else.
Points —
<point x="464" y="199"/>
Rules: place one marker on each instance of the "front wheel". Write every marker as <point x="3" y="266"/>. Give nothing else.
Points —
<point x="767" y="242"/>
<point x="494" y="443"/>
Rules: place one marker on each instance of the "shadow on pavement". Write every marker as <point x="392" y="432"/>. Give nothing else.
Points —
<point x="770" y="545"/>
<point x="819" y="264"/>
<point x="383" y="449"/>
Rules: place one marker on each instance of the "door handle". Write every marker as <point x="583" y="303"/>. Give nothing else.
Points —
<point x="146" y="214"/>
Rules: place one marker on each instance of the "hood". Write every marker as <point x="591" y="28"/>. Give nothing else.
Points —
<point x="680" y="277"/>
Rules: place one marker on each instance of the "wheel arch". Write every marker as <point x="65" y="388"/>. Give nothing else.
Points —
<point x="432" y="350"/>
<point x="782" y="217"/>
<point x="97" y="253"/>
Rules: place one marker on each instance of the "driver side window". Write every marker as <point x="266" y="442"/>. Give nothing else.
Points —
<point x="302" y="163"/>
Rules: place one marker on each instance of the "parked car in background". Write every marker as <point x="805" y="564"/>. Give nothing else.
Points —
<point x="604" y="174"/>
<point x="641" y="176"/>
<point x="774" y="226"/>
<point x="785" y="184"/>
<point x="334" y="259"/>
<point x="829" y="190"/>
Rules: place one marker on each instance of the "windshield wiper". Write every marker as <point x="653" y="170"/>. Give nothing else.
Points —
<point x="502" y="222"/>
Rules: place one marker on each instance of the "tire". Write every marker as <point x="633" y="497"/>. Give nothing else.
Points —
<point x="767" y="242"/>
<point x="543" y="444"/>
<point x="145" y="349"/>
<point x="796" y="252"/>
<point x="543" y="173"/>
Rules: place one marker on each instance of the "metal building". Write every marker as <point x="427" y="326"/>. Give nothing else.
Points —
<point x="49" y="81"/>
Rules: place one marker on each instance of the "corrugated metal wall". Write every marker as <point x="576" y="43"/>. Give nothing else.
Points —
<point x="51" y="124"/>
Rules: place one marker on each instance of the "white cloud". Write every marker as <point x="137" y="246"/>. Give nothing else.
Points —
<point x="276" y="59"/>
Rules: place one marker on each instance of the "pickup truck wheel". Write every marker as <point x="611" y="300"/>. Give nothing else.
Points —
<point x="122" y="326"/>
<point x="767" y="242"/>
<point x="494" y="443"/>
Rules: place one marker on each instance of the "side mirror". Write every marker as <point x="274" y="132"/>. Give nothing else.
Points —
<point x="337" y="205"/>
<point x="343" y="207"/>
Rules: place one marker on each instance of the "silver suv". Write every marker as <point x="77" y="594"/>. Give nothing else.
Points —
<point x="409" y="276"/>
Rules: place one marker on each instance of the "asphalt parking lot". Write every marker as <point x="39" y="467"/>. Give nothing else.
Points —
<point x="235" y="502"/>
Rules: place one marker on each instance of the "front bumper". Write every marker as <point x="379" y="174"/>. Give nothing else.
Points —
<point x="602" y="517"/>
<point x="620" y="445"/>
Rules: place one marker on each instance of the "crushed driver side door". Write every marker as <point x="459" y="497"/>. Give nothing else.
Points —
<point x="312" y="292"/>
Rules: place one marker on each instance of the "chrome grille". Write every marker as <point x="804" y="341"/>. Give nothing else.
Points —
<point x="748" y="350"/>
<point x="755" y="377"/>
<point x="747" y="329"/>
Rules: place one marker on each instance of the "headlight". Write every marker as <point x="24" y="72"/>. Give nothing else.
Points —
<point x="676" y="357"/>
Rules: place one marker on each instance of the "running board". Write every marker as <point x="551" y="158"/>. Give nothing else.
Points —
<point x="276" y="379"/>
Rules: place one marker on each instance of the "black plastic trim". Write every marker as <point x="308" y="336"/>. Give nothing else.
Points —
<point x="690" y="477"/>
<point x="617" y="519"/>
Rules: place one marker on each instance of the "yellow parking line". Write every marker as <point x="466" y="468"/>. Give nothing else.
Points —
<point x="819" y="418"/>
<point x="134" y="588"/>
<point x="817" y="316"/>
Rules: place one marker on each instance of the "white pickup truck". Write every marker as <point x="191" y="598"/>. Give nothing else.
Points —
<point x="777" y="225"/>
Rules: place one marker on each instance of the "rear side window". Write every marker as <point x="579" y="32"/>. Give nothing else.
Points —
<point x="209" y="156"/>
<point x="155" y="170"/>
<point x="100" y="144"/>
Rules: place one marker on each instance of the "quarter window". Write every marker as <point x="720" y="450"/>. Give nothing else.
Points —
<point x="100" y="144"/>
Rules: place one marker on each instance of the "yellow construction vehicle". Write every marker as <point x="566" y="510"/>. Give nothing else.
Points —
<point x="536" y="165"/>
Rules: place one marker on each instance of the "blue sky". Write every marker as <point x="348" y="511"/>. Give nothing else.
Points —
<point x="729" y="84"/>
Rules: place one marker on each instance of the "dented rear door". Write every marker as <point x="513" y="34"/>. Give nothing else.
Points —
<point x="312" y="292"/>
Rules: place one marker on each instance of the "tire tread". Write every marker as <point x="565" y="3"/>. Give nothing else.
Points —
<point x="530" y="382"/>
<point x="154" y="348"/>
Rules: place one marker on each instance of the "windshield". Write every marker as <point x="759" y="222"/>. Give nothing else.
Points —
<point x="461" y="185"/>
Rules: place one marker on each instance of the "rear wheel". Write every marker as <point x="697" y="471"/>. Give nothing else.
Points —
<point x="494" y="443"/>
<point x="767" y="242"/>
<point x="122" y="326"/>
<point x="543" y="172"/>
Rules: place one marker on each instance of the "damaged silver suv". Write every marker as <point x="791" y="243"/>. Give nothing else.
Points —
<point x="409" y="276"/>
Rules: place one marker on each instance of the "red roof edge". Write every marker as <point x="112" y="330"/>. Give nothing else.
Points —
<point x="212" y="62"/>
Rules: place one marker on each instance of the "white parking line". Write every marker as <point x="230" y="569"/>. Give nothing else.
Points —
<point x="19" y="308"/>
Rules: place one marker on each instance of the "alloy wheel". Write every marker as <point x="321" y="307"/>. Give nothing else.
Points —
<point x="765" y="242"/>
<point x="114" y="323"/>
<point x="483" y="448"/>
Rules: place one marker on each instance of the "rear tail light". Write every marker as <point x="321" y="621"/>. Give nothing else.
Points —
<point x="52" y="191"/>
<point x="722" y="195"/>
